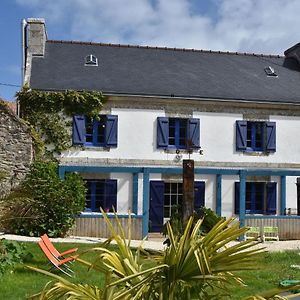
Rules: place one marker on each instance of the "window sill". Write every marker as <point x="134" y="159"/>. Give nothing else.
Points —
<point x="96" y="148"/>
<point x="255" y="153"/>
<point x="88" y="214"/>
<point x="176" y="150"/>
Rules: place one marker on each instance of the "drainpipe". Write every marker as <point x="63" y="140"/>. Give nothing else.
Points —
<point x="23" y="56"/>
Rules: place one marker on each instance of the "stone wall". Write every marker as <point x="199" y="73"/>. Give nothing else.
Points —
<point x="16" y="150"/>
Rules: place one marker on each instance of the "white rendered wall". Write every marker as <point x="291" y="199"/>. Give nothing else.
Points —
<point x="228" y="194"/>
<point x="124" y="196"/>
<point x="137" y="142"/>
<point x="210" y="189"/>
<point x="137" y="139"/>
<point x="291" y="193"/>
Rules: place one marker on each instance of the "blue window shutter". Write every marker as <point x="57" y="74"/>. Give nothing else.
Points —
<point x="111" y="186"/>
<point x="156" y="213"/>
<point x="162" y="132"/>
<point x="199" y="187"/>
<point x="271" y="136"/>
<point x="111" y="133"/>
<point x="271" y="198"/>
<point x="78" y="130"/>
<point x="241" y="135"/>
<point x="193" y="132"/>
<point x="236" y="198"/>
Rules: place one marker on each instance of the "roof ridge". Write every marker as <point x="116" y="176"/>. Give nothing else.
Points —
<point x="166" y="48"/>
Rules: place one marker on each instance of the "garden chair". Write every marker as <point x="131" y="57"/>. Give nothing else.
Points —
<point x="57" y="263"/>
<point x="53" y="250"/>
<point x="252" y="233"/>
<point x="270" y="233"/>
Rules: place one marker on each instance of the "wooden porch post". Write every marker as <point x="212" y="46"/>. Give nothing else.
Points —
<point x="188" y="189"/>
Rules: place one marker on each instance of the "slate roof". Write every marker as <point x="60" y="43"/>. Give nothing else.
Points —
<point x="187" y="73"/>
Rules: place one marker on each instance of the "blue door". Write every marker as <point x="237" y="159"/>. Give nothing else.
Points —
<point x="156" y="213"/>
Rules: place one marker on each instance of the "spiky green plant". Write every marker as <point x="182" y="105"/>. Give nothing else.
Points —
<point x="191" y="267"/>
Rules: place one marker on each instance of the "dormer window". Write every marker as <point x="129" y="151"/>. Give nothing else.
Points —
<point x="270" y="71"/>
<point x="91" y="60"/>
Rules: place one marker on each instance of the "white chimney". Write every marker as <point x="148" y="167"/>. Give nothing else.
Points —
<point x="36" y="36"/>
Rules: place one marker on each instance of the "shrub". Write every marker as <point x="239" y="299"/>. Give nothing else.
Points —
<point x="11" y="253"/>
<point x="45" y="203"/>
<point x="176" y="221"/>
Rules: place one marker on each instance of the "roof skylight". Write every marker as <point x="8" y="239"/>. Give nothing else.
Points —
<point x="270" y="71"/>
<point x="91" y="60"/>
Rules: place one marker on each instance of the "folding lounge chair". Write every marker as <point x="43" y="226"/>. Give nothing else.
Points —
<point x="252" y="233"/>
<point x="53" y="250"/>
<point x="57" y="263"/>
<point x="270" y="233"/>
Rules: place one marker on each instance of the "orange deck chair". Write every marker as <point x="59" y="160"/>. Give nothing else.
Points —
<point x="53" y="250"/>
<point x="57" y="263"/>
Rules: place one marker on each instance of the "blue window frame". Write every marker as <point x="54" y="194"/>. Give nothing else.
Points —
<point x="260" y="198"/>
<point x="255" y="197"/>
<point x="101" y="193"/>
<point x="95" y="131"/>
<point x="177" y="133"/>
<point x="89" y="132"/>
<point x="255" y="136"/>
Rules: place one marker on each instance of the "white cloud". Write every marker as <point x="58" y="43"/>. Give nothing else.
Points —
<point x="261" y="26"/>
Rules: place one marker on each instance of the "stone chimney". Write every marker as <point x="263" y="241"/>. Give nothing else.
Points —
<point x="36" y="36"/>
<point x="293" y="52"/>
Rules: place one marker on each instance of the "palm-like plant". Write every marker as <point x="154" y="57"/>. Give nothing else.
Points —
<point x="193" y="266"/>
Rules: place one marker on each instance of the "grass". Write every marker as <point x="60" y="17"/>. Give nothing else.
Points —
<point x="21" y="282"/>
<point x="273" y="268"/>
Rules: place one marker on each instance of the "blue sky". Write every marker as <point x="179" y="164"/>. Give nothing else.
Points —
<point x="260" y="26"/>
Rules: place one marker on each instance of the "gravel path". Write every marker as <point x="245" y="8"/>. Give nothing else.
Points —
<point x="155" y="244"/>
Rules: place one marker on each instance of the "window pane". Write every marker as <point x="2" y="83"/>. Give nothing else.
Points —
<point x="167" y="188"/>
<point x="171" y="131"/>
<point x="259" y="196"/>
<point x="89" y="126"/>
<point x="248" y="196"/>
<point x="182" y="129"/>
<point x="180" y="200"/>
<point x="174" y="188"/>
<point x="249" y="134"/>
<point x="88" y="195"/>
<point x="167" y="213"/>
<point x="101" y="132"/>
<point x="167" y="200"/>
<point x="174" y="199"/>
<point x="172" y="122"/>
<point x="171" y="141"/>
<point x="259" y="136"/>
<point x="89" y="130"/>
<point x="179" y="188"/>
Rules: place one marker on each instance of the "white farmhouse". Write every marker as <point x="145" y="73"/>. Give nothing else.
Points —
<point x="240" y="113"/>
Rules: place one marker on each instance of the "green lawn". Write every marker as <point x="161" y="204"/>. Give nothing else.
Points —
<point x="273" y="268"/>
<point x="21" y="282"/>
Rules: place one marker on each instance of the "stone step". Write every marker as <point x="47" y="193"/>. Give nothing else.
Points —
<point x="156" y="236"/>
